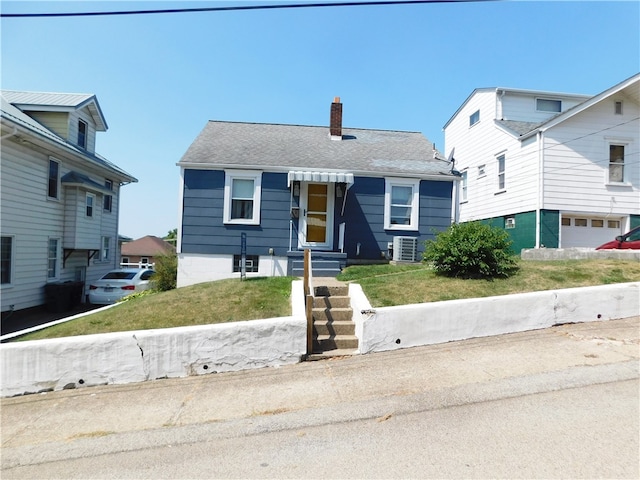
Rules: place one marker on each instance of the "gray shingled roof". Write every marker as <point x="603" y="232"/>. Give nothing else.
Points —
<point x="520" y="128"/>
<point x="279" y="147"/>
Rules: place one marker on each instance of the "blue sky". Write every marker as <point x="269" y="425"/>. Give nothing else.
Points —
<point x="160" y="78"/>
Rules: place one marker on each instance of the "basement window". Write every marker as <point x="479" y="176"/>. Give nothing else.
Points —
<point x="251" y="263"/>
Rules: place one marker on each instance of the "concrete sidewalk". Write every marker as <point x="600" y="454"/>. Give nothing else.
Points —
<point x="33" y="426"/>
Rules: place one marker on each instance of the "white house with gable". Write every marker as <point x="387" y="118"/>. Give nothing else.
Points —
<point x="553" y="169"/>
<point x="60" y="199"/>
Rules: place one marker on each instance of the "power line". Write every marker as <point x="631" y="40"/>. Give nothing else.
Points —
<point x="237" y="7"/>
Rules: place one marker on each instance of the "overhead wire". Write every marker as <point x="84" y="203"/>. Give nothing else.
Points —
<point x="277" y="6"/>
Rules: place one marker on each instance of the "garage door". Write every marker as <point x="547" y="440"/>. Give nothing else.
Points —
<point x="588" y="231"/>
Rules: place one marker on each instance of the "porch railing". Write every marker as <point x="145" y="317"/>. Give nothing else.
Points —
<point x="308" y="298"/>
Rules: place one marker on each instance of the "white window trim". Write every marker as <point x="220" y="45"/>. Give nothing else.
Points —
<point x="464" y="186"/>
<point x="108" y="184"/>
<point x="229" y="176"/>
<point x="59" y="185"/>
<point x="471" y="123"/>
<point x="415" y="203"/>
<point x="626" y="143"/>
<point x="102" y="249"/>
<point x="86" y="134"/>
<point x="548" y="99"/>
<point x="503" y="173"/>
<point x="615" y="107"/>
<point x="93" y="205"/>
<point x="56" y="276"/>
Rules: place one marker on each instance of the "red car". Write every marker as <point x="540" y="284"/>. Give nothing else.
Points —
<point x="628" y="241"/>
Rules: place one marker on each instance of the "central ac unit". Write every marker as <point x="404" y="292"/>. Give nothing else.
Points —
<point x="405" y="249"/>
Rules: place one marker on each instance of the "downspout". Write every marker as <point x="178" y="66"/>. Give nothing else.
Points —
<point x="540" y="187"/>
<point x="11" y="134"/>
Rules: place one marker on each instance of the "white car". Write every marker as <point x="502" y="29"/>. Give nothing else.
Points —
<point x="118" y="284"/>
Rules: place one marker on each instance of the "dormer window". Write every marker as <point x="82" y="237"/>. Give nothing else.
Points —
<point x="82" y="133"/>
<point x="547" y="105"/>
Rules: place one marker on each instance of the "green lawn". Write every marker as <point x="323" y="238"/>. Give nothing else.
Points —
<point x="385" y="285"/>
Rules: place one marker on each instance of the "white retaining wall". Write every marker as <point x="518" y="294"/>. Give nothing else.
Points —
<point x="391" y="328"/>
<point x="136" y="356"/>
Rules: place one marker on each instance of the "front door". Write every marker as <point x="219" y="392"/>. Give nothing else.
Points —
<point x="316" y="221"/>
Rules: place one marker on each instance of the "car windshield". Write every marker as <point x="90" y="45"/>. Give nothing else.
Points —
<point x="119" y="276"/>
<point x="633" y="236"/>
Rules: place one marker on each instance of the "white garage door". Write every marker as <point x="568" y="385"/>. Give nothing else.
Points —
<point x="588" y="231"/>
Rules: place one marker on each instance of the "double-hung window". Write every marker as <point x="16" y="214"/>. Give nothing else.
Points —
<point x="501" y="173"/>
<point x="54" y="179"/>
<point x="52" y="258"/>
<point x="463" y="186"/>
<point x="83" y="129"/>
<point x="6" y="260"/>
<point x="90" y="201"/>
<point x="242" y="191"/>
<point x="616" y="163"/>
<point x="401" y="204"/>
<point x="107" y="202"/>
<point x="105" y="251"/>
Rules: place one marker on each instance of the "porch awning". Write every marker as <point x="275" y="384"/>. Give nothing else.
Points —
<point x="325" y="177"/>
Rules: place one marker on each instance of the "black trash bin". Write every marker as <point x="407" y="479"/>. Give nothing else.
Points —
<point x="57" y="298"/>
<point x="63" y="296"/>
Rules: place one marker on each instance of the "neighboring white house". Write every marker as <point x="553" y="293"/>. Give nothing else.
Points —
<point x="553" y="169"/>
<point x="60" y="199"/>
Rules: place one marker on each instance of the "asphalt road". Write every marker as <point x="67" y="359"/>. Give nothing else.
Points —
<point x="561" y="402"/>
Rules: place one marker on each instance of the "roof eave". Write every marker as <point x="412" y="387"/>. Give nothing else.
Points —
<point x="48" y="143"/>
<point x="444" y="176"/>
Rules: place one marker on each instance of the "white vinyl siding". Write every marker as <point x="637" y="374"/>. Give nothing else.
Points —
<point x="522" y="107"/>
<point x="30" y="218"/>
<point x="576" y="167"/>
<point x="476" y="151"/>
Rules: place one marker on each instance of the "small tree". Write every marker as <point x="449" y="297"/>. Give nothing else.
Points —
<point x="471" y="250"/>
<point x="166" y="267"/>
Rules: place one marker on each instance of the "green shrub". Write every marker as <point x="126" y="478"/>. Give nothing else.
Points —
<point x="471" y="250"/>
<point x="166" y="267"/>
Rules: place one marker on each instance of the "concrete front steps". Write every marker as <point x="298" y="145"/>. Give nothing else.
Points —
<point x="333" y="327"/>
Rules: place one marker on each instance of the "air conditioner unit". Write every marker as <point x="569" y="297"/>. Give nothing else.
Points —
<point x="405" y="249"/>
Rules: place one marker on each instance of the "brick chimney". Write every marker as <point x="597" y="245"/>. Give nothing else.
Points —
<point x="335" y="125"/>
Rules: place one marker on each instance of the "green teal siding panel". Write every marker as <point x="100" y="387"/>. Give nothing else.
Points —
<point x="549" y="228"/>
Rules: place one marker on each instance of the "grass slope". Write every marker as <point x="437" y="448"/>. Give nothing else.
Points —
<point x="385" y="285"/>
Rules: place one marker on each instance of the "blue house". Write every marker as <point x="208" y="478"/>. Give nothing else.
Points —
<point x="266" y="192"/>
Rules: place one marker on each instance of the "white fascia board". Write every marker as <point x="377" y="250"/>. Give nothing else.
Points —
<point x="208" y="166"/>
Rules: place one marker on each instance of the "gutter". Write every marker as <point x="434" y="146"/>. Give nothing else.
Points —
<point x="444" y="176"/>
